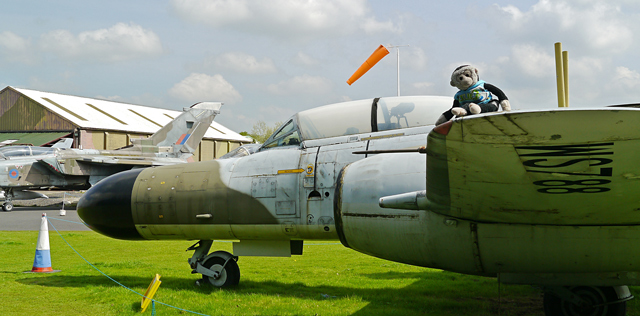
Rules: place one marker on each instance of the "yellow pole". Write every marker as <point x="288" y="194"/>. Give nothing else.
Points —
<point x="565" y="72"/>
<point x="560" y="75"/>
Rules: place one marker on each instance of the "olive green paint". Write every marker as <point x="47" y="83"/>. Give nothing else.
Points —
<point x="552" y="167"/>
<point x="176" y="194"/>
<point x="20" y="113"/>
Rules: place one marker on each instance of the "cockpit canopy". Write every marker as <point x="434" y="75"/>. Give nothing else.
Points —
<point x="358" y="117"/>
<point x="22" y="151"/>
<point x="244" y="150"/>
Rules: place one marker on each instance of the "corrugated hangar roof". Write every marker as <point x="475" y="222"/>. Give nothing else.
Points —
<point x="91" y="113"/>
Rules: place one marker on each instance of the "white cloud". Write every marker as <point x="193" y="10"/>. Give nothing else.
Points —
<point x="120" y="42"/>
<point x="305" y="85"/>
<point x="302" y="59"/>
<point x="371" y="26"/>
<point x="584" y="25"/>
<point x="245" y="63"/>
<point x="16" y="48"/>
<point x="201" y="87"/>
<point x="533" y="61"/>
<point x="624" y="73"/>
<point x="589" y="69"/>
<point x="115" y="98"/>
<point x="411" y="57"/>
<point x="419" y="88"/>
<point x="12" y="42"/>
<point x="528" y="76"/>
<point x="285" y="18"/>
<point x="626" y="78"/>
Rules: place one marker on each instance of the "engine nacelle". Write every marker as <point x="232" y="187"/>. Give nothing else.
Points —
<point x="415" y="237"/>
<point x="427" y="236"/>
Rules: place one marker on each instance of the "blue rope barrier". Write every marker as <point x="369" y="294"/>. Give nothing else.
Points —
<point x="153" y="306"/>
<point x="64" y="220"/>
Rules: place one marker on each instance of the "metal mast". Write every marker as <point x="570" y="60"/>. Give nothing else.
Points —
<point x="397" y="47"/>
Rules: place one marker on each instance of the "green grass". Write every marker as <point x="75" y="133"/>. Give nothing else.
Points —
<point x="328" y="279"/>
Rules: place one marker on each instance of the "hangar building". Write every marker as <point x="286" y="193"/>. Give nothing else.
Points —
<point x="36" y="118"/>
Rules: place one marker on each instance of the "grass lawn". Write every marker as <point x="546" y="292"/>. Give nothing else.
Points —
<point x="328" y="279"/>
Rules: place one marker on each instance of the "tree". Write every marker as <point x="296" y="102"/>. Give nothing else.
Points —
<point x="261" y="131"/>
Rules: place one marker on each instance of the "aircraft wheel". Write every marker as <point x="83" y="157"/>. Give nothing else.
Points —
<point x="553" y="305"/>
<point x="229" y="276"/>
<point x="7" y="207"/>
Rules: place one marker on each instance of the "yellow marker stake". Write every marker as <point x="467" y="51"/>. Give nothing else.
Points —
<point x="151" y="291"/>
<point x="565" y="72"/>
<point x="560" y="75"/>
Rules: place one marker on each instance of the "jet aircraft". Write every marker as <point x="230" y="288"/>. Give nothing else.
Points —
<point x="27" y="167"/>
<point x="30" y="195"/>
<point x="547" y="198"/>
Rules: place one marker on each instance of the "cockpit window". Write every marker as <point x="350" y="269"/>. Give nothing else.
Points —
<point x="244" y="150"/>
<point x="15" y="151"/>
<point x="286" y="129"/>
<point x="360" y="117"/>
<point x="287" y="135"/>
<point x="395" y="115"/>
<point x="36" y="151"/>
<point x="21" y="151"/>
<point x="339" y="119"/>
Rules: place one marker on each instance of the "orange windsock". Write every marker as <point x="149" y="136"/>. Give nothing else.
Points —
<point x="378" y="54"/>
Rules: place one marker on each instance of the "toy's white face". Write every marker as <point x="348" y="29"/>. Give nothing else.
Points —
<point x="465" y="78"/>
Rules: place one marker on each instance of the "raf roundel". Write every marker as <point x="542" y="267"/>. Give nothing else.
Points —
<point x="13" y="173"/>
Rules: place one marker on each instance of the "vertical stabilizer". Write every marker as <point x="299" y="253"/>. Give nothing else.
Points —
<point x="183" y="134"/>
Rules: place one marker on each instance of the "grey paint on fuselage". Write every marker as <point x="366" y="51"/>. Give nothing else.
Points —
<point x="286" y="190"/>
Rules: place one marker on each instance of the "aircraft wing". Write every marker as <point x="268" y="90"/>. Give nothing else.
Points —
<point x="88" y="165"/>
<point x="132" y="161"/>
<point x="559" y="167"/>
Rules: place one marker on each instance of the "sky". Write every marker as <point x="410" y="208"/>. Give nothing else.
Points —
<point x="266" y="60"/>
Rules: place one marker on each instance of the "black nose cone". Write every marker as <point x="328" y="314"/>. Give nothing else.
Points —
<point x="106" y="207"/>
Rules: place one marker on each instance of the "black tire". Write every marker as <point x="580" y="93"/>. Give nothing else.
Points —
<point x="555" y="306"/>
<point x="229" y="276"/>
<point x="7" y="207"/>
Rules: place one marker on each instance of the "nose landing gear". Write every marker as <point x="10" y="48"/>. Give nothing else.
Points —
<point x="219" y="268"/>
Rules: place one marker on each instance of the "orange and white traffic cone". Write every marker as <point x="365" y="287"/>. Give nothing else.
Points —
<point x="42" y="262"/>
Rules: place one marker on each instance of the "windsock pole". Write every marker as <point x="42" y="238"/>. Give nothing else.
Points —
<point x="377" y="55"/>
<point x="42" y="261"/>
<point x="397" y="47"/>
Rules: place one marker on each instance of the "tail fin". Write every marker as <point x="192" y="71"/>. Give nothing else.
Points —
<point x="63" y="143"/>
<point x="182" y="135"/>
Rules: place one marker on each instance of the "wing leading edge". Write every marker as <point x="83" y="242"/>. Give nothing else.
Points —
<point x="562" y="167"/>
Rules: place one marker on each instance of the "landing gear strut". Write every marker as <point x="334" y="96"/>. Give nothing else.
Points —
<point x="7" y="206"/>
<point x="586" y="300"/>
<point x="219" y="268"/>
